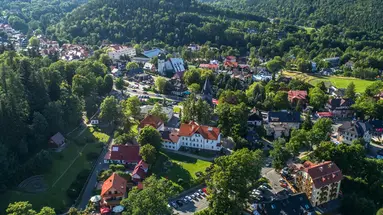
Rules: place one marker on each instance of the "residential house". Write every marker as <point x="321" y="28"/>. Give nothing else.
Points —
<point x="193" y="135"/>
<point x="145" y="110"/>
<point x="117" y="51"/>
<point x="324" y="115"/>
<point x="123" y="154"/>
<point x="140" y="171"/>
<point x="177" y="87"/>
<point x="254" y="119"/>
<point x="116" y="72"/>
<point x="149" y="67"/>
<point x="171" y="66"/>
<point x="320" y="182"/>
<point x="340" y="108"/>
<point x="350" y="131"/>
<point x="170" y="140"/>
<point x="71" y="52"/>
<point x="294" y="96"/>
<point x="57" y="140"/>
<point x="231" y="59"/>
<point x="297" y="204"/>
<point x="213" y="67"/>
<point x="113" y="190"/>
<point x="151" y="120"/>
<point x="193" y="47"/>
<point x="281" y="123"/>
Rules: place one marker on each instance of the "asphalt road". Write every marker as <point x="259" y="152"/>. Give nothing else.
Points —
<point x="273" y="177"/>
<point x="87" y="194"/>
<point x="191" y="208"/>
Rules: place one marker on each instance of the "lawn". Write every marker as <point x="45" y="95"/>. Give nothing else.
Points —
<point x="337" y="81"/>
<point x="181" y="167"/>
<point x="66" y="165"/>
<point x="177" y="109"/>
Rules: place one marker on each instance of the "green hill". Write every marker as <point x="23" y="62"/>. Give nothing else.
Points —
<point x="366" y="14"/>
<point x="172" y="21"/>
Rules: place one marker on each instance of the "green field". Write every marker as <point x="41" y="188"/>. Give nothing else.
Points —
<point x="66" y="165"/>
<point x="182" y="168"/>
<point x="337" y="81"/>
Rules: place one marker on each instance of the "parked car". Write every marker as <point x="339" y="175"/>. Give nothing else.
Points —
<point x="180" y="203"/>
<point x="173" y="204"/>
<point x="146" y="93"/>
<point x="201" y="192"/>
<point x="193" y="196"/>
<point x="186" y="200"/>
<point x="189" y="198"/>
<point x="281" y="180"/>
<point x="284" y="185"/>
<point x="134" y="91"/>
<point x="267" y="185"/>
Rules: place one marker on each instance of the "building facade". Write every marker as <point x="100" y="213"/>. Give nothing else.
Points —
<point x="281" y="123"/>
<point x="321" y="182"/>
<point x="117" y="51"/>
<point x="350" y="131"/>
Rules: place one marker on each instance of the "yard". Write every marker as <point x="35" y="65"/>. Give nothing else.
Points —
<point x="337" y="81"/>
<point x="179" y="167"/>
<point x="66" y="165"/>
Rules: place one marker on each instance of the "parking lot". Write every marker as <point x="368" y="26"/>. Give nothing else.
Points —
<point x="191" y="207"/>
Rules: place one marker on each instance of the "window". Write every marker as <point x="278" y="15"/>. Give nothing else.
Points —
<point x="212" y="147"/>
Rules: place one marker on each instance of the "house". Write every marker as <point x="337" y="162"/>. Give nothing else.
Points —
<point x="140" y="171"/>
<point x="123" y="154"/>
<point x="145" y="110"/>
<point x="177" y="87"/>
<point x="350" y="131"/>
<point x="297" y="204"/>
<point x="117" y="51"/>
<point x="193" y="135"/>
<point x="113" y="190"/>
<point x="171" y="66"/>
<point x="231" y="59"/>
<point x="340" y="108"/>
<point x="254" y="119"/>
<point x="324" y="115"/>
<point x="116" y="72"/>
<point x="170" y="140"/>
<point x="281" y="123"/>
<point x="57" y="140"/>
<point x="294" y="96"/>
<point x="336" y="92"/>
<point x="149" y="67"/>
<point x="151" y="120"/>
<point x="213" y="67"/>
<point x="140" y="58"/>
<point x="320" y="182"/>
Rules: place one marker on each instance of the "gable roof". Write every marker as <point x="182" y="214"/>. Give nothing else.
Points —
<point x="114" y="181"/>
<point x="58" y="138"/>
<point x="293" y="205"/>
<point x="207" y="132"/>
<point x="358" y="128"/>
<point x="151" y="120"/>
<point x="139" y="171"/>
<point x="170" y="136"/>
<point x="340" y="103"/>
<point x="284" y="116"/>
<point x="297" y="94"/>
<point x="254" y="117"/>
<point x="324" y="173"/>
<point x="127" y="153"/>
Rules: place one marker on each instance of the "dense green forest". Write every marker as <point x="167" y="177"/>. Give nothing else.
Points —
<point x="361" y="14"/>
<point x="28" y="16"/>
<point x="175" y="22"/>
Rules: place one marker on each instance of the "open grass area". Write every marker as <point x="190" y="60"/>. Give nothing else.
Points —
<point x="179" y="167"/>
<point x="337" y="81"/>
<point x="66" y="166"/>
<point x="177" y="109"/>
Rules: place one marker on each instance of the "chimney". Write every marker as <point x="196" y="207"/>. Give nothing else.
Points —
<point x="210" y="128"/>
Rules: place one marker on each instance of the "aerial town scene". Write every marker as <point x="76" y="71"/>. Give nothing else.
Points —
<point x="181" y="107"/>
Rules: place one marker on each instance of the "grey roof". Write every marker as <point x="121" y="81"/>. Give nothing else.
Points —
<point x="359" y="128"/>
<point x="340" y="103"/>
<point x="284" y="116"/>
<point x="58" y="138"/>
<point x="206" y="90"/>
<point x="293" y="205"/>
<point x="254" y="117"/>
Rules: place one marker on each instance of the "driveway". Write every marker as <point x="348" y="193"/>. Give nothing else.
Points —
<point x="88" y="191"/>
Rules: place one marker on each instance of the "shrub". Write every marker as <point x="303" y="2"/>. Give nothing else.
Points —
<point x="116" y="167"/>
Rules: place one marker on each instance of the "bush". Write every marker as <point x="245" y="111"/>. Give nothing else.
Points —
<point x="77" y="185"/>
<point x="117" y="167"/>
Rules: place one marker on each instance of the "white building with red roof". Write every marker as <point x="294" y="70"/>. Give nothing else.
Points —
<point x="116" y="51"/>
<point x="193" y="135"/>
<point x="321" y="182"/>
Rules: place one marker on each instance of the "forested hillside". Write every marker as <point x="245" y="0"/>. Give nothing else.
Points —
<point x="366" y="14"/>
<point x="174" y="22"/>
<point x="27" y="16"/>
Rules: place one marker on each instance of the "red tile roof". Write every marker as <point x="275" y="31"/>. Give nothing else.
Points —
<point x="324" y="173"/>
<point x="231" y="64"/>
<point x="324" y="114"/>
<point x="297" y="94"/>
<point x="139" y="171"/>
<point x="114" y="181"/>
<point x="208" y="66"/>
<point x="127" y="153"/>
<point x="170" y="136"/>
<point x="143" y="165"/>
<point x="151" y="120"/>
<point x="210" y="133"/>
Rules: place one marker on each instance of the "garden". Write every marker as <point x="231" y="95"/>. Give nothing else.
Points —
<point x="70" y="169"/>
<point x="180" y="169"/>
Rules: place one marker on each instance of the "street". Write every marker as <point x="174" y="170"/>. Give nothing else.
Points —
<point x="88" y="191"/>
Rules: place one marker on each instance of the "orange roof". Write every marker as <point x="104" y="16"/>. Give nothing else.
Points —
<point x="324" y="173"/>
<point x="151" y="120"/>
<point x="210" y="133"/>
<point x="114" y="181"/>
<point x="297" y="94"/>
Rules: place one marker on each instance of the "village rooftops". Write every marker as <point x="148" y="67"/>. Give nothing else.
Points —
<point x="151" y="120"/>
<point x="323" y="174"/>
<point x="340" y="103"/>
<point x="210" y="133"/>
<point x="284" y="116"/>
<point x="114" y="181"/>
<point x="127" y="153"/>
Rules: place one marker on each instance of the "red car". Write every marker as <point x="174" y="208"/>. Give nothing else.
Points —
<point x="284" y="185"/>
